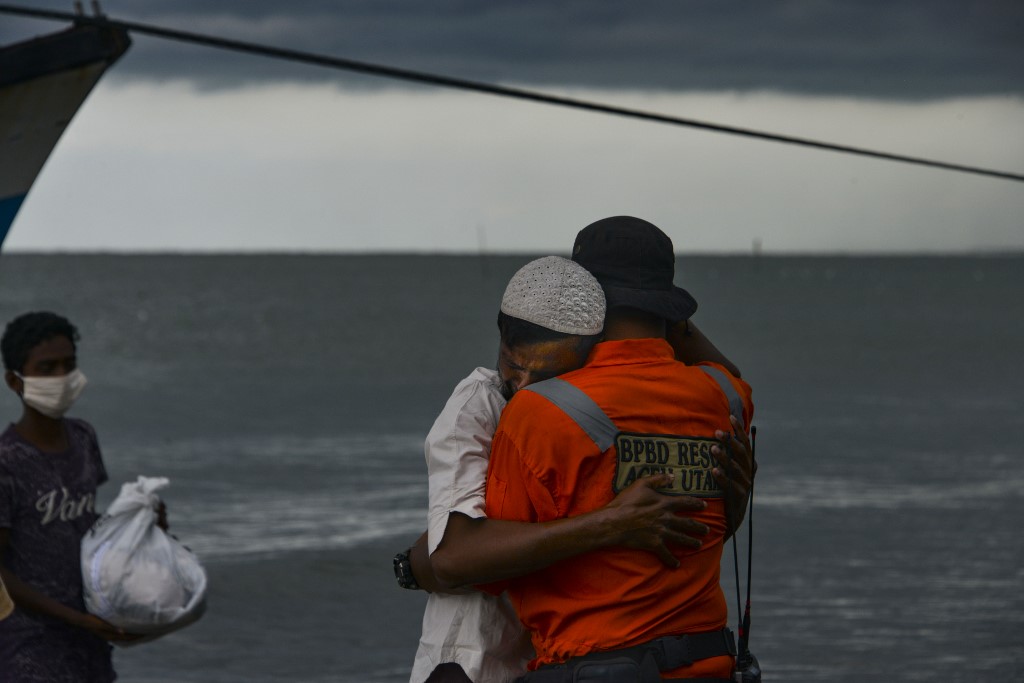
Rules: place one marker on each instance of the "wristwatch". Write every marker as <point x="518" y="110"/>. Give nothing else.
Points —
<point x="403" y="571"/>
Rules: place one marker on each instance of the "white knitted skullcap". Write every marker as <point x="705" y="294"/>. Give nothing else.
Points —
<point x="558" y="294"/>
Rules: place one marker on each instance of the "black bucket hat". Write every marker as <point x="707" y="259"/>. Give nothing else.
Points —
<point x="634" y="262"/>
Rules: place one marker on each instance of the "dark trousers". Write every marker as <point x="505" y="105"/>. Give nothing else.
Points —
<point x="448" y="673"/>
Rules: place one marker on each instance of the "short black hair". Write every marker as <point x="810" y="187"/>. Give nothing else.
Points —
<point x="29" y="330"/>
<point x="516" y="333"/>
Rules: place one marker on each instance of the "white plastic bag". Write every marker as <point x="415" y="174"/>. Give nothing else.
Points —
<point x="136" y="576"/>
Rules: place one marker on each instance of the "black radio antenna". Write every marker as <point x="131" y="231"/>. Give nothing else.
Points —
<point x="743" y="657"/>
<point x="744" y="629"/>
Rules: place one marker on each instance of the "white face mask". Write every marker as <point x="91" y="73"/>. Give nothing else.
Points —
<point x="53" y="396"/>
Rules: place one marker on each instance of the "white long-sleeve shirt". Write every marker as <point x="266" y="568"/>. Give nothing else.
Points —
<point x="479" y="632"/>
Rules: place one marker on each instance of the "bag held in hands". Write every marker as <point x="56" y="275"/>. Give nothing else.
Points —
<point x="135" y="575"/>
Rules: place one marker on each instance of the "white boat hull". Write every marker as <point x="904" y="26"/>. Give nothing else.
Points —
<point x="43" y="83"/>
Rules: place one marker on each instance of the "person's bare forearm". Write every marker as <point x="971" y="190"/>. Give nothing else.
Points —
<point x="28" y="598"/>
<point x="475" y="551"/>
<point x="692" y="347"/>
<point x="482" y="550"/>
<point x="423" y="570"/>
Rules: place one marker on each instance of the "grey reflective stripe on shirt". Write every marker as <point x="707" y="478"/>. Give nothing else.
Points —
<point x="735" y="402"/>
<point x="581" y="408"/>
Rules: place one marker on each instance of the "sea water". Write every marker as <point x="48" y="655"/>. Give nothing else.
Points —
<point x="287" y="397"/>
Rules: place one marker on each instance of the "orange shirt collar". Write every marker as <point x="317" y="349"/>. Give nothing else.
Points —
<point x="629" y="351"/>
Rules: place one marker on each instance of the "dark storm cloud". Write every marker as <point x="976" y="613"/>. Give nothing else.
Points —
<point x="875" y="48"/>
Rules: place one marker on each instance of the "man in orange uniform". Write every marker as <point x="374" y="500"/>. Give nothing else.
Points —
<point x="619" y="613"/>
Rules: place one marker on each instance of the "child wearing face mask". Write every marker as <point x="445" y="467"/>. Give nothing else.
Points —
<point x="50" y="467"/>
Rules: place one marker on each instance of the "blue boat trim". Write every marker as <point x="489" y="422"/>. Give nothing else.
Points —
<point x="8" y="210"/>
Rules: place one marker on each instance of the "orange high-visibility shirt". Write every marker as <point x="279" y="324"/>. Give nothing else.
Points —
<point x="544" y="467"/>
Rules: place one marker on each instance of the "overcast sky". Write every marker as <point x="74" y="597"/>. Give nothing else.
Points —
<point x="184" y="147"/>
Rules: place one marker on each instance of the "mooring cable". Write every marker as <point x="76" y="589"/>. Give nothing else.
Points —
<point x="488" y="88"/>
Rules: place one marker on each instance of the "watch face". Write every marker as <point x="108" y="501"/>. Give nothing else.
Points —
<point x="403" y="571"/>
<point x="398" y="566"/>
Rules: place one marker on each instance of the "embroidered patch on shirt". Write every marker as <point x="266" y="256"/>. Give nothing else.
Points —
<point x="687" y="458"/>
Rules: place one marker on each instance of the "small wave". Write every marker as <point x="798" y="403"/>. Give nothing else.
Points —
<point x="843" y="493"/>
<point x="242" y="496"/>
<point x="308" y="528"/>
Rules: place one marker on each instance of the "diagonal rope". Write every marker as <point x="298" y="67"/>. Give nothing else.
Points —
<point x="476" y="86"/>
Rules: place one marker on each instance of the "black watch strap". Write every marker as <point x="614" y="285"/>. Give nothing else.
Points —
<point x="403" y="571"/>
